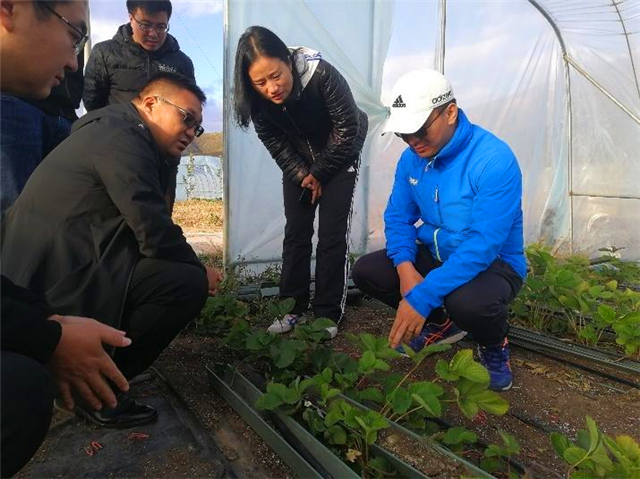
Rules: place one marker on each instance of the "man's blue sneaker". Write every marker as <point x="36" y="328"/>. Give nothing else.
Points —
<point x="433" y="333"/>
<point x="497" y="361"/>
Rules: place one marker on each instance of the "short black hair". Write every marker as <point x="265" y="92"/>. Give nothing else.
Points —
<point x="179" y="81"/>
<point x="41" y="9"/>
<point x="255" y="42"/>
<point x="150" y="6"/>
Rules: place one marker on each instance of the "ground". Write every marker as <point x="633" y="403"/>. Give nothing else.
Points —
<point x="547" y="396"/>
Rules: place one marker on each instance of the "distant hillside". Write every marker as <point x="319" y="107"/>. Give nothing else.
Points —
<point x="208" y="144"/>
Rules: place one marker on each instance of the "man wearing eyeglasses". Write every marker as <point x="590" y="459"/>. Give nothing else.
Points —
<point x="457" y="271"/>
<point x="32" y="127"/>
<point x="118" y="68"/>
<point x="95" y="226"/>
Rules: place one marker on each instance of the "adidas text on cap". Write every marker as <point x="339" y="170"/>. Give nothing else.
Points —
<point x="415" y="95"/>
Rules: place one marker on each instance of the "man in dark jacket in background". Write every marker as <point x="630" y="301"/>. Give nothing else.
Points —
<point x="95" y="225"/>
<point x="118" y="68"/>
<point x="38" y="42"/>
<point x="32" y="128"/>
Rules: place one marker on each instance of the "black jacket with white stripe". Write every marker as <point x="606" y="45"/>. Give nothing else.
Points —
<point x="319" y="129"/>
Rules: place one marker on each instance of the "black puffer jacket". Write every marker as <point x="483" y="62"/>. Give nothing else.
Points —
<point x="118" y="69"/>
<point x="319" y="129"/>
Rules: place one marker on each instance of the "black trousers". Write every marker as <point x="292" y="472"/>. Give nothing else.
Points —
<point x="27" y="407"/>
<point x="332" y="254"/>
<point x="163" y="297"/>
<point x="480" y="307"/>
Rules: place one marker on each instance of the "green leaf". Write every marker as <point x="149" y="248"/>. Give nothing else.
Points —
<point x="493" y="451"/>
<point x="511" y="445"/>
<point x="429" y="403"/>
<point x="426" y="387"/>
<point x="372" y="394"/>
<point x="629" y="447"/>
<point x="443" y="370"/>
<point x="607" y="313"/>
<point x="269" y="402"/>
<point x="594" y="435"/>
<point x="400" y="400"/>
<point x="367" y="362"/>
<point x="333" y="417"/>
<point x="559" y="442"/>
<point x="284" y="357"/>
<point x="492" y="402"/>
<point x="573" y="455"/>
<point x="463" y="365"/>
<point x="286" y="306"/>
<point x="491" y="464"/>
<point x="612" y="285"/>
<point x="459" y="435"/>
<point x="335" y="435"/>
<point x="428" y="351"/>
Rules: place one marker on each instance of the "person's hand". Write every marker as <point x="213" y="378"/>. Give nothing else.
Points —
<point x="213" y="278"/>
<point x="409" y="277"/>
<point x="310" y="182"/>
<point x="80" y="362"/>
<point x="317" y="193"/>
<point x="408" y="324"/>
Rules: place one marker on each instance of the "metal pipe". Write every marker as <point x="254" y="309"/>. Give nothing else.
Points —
<point x="225" y="133"/>
<point x="594" y="82"/>
<point x="567" y="81"/>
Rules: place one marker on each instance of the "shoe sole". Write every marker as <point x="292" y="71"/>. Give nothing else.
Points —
<point x="503" y="389"/>
<point x="87" y="417"/>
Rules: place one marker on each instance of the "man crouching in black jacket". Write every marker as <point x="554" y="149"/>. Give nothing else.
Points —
<point x="94" y="222"/>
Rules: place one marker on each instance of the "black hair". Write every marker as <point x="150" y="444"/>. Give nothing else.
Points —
<point x="41" y="9"/>
<point x="179" y="81"/>
<point x="150" y="6"/>
<point x="255" y="42"/>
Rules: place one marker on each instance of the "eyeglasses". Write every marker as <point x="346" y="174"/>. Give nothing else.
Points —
<point x="422" y="132"/>
<point x="145" y="27"/>
<point x="79" y="43"/>
<point x="188" y="118"/>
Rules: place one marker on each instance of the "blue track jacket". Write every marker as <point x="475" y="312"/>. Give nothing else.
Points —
<point x="469" y="198"/>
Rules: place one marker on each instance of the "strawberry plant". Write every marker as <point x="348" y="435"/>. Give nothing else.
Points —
<point x="596" y="455"/>
<point x="460" y="381"/>
<point x="571" y="297"/>
<point x="496" y="457"/>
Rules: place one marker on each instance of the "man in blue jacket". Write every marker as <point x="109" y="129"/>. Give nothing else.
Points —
<point x="455" y="257"/>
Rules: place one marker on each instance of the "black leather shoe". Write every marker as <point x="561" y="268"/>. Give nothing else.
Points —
<point x="128" y="413"/>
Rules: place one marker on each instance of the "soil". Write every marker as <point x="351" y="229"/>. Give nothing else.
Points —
<point x="547" y="396"/>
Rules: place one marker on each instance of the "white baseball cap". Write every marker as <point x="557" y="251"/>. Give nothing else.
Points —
<point x="415" y="95"/>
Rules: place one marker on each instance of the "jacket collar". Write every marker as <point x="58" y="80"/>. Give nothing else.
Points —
<point x="458" y="142"/>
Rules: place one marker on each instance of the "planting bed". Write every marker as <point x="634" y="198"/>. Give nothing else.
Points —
<point x="548" y="396"/>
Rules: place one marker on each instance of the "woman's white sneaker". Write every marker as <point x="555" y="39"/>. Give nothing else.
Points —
<point x="284" y="325"/>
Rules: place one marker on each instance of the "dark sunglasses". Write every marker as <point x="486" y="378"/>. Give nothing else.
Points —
<point x="78" y="45"/>
<point x="188" y="119"/>
<point x="422" y="132"/>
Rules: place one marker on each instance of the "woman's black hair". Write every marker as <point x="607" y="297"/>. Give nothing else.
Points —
<point x="255" y="42"/>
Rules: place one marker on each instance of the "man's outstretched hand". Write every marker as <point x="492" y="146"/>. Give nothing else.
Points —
<point x="80" y="362"/>
<point x="408" y="324"/>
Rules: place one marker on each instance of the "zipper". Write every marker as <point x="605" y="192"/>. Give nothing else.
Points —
<point x="313" y="157"/>
<point x="437" y="202"/>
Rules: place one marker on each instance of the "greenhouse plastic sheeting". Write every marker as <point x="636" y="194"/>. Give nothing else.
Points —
<point x="557" y="80"/>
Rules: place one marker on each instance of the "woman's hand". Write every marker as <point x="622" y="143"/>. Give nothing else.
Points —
<point x="312" y="183"/>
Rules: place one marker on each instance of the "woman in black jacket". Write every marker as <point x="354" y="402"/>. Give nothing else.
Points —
<point x="304" y="113"/>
